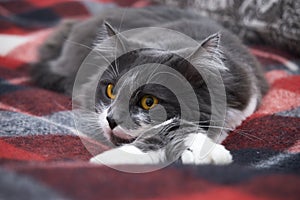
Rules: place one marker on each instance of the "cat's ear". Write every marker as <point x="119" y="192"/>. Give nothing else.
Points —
<point x="209" y="48"/>
<point x="109" y="29"/>
<point x="117" y="39"/>
<point x="120" y="40"/>
<point x="210" y="45"/>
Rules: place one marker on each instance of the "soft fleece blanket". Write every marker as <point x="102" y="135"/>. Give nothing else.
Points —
<point x="42" y="158"/>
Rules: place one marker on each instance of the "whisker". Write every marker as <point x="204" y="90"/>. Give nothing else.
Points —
<point x="122" y="18"/>
<point x="112" y="75"/>
<point x="120" y="25"/>
<point x="165" y="127"/>
<point x="79" y="44"/>
<point x="154" y="71"/>
<point x="106" y="49"/>
<point x="234" y="130"/>
<point x="247" y="134"/>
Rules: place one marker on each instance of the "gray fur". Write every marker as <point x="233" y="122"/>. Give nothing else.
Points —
<point x="218" y="50"/>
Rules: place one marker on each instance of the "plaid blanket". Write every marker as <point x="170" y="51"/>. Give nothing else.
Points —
<point x="42" y="158"/>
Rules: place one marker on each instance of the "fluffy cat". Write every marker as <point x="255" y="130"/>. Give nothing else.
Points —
<point x="149" y="120"/>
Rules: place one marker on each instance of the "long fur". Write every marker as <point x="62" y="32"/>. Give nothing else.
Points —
<point x="219" y="53"/>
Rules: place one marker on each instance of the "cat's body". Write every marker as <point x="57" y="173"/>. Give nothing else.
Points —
<point x="64" y="52"/>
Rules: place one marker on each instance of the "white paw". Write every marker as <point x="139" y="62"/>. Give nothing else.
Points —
<point x="203" y="150"/>
<point x="127" y="155"/>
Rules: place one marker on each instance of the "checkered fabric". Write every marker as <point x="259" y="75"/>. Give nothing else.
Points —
<point x="42" y="158"/>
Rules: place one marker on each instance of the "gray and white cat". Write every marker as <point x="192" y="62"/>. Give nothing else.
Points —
<point x="148" y="117"/>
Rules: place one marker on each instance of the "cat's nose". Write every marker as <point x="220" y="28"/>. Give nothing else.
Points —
<point x="111" y="122"/>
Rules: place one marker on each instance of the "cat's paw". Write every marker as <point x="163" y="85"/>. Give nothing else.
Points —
<point x="127" y="155"/>
<point x="218" y="155"/>
<point x="203" y="150"/>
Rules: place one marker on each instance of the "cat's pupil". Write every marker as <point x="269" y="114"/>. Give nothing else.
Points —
<point x="149" y="101"/>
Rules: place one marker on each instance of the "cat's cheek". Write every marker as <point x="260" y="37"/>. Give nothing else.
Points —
<point x="106" y="132"/>
<point x="104" y="124"/>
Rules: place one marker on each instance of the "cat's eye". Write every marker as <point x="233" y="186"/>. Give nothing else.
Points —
<point x="148" y="102"/>
<point x="109" y="91"/>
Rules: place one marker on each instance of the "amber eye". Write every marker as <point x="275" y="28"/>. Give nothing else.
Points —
<point x="109" y="91"/>
<point x="148" y="102"/>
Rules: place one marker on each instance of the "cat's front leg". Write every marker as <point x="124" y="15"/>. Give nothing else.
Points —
<point x="129" y="155"/>
<point x="202" y="150"/>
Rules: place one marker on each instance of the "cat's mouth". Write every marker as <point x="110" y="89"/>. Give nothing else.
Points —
<point x="120" y="138"/>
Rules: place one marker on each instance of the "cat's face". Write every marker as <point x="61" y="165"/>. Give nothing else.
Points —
<point x="128" y="103"/>
<point x="145" y="94"/>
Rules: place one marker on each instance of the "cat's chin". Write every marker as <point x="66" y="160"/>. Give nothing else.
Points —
<point x="119" y="141"/>
<point x="119" y="138"/>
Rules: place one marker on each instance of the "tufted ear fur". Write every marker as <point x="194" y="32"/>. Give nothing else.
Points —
<point x="110" y="41"/>
<point x="210" y="45"/>
<point x="209" y="48"/>
<point x="121" y="41"/>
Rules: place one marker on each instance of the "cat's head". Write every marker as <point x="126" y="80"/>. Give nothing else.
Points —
<point x="137" y="96"/>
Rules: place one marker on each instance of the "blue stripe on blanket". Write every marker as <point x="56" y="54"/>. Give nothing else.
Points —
<point x="19" y="124"/>
<point x="6" y="87"/>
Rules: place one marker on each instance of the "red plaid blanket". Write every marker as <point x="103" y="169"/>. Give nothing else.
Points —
<point x="41" y="157"/>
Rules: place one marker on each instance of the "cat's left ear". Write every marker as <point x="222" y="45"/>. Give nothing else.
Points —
<point x="209" y="47"/>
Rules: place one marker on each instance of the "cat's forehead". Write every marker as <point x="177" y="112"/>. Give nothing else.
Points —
<point x="140" y="67"/>
<point x="135" y="58"/>
<point x="134" y="66"/>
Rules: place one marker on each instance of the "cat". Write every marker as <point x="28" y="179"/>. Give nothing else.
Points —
<point x="149" y="119"/>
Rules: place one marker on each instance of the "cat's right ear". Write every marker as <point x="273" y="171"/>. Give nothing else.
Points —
<point x="120" y="40"/>
<point x="110" y="30"/>
<point x="114" y="38"/>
